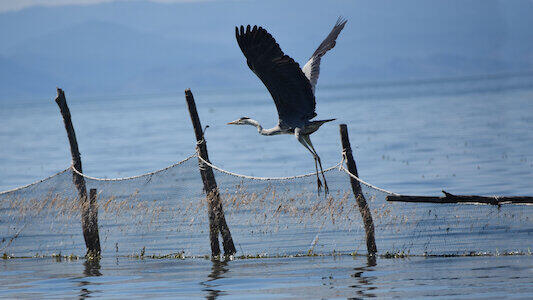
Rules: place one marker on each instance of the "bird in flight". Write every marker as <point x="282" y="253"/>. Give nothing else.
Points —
<point x="292" y="88"/>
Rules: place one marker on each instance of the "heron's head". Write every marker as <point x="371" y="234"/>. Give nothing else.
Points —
<point x="242" y="121"/>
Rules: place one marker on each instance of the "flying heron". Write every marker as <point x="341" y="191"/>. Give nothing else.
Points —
<point x="292" y="88"/>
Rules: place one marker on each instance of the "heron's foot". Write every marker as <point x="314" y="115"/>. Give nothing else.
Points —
<point x="319" y="185"/>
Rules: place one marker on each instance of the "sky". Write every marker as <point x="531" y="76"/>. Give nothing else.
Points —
<point x="160" y="46"/>
<point x="14" y="5"/>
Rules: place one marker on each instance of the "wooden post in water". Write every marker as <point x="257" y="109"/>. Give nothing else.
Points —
<point x="89" y="220"/>
<point x="217" y="220"/>
<point x="358" y="193"/>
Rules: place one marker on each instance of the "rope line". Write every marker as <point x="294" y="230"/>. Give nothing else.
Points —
<point x="339" y="166"/>
<point x="34" y="183"/>
<point x="366" y="183"/>
<point x="265" y="178"/>
<point x="132" y="177"/>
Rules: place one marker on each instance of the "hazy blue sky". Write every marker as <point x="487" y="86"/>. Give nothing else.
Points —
<point x="8" y="5"/>
<point x="130" y="47"/>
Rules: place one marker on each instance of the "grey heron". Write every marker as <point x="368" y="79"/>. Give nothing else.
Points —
<point x="291" y="88"/>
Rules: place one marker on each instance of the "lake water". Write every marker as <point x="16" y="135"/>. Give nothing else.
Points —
<point x="306" y="277"/>
<point x="470" y="136"/>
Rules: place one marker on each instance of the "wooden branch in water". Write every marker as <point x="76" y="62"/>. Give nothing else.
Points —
<point x="356" y="188"/>
<point x="89" y="221"/>
<point x="450" y="198"/>
<point x="217" y="220"/>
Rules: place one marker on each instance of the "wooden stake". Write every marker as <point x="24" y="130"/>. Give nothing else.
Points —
<point x="89" y="220"/>
<point x="217" y="220"/>
<point x="358" y="193"/>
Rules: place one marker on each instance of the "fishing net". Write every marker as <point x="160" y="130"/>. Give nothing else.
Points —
<point x="164" y="213"/>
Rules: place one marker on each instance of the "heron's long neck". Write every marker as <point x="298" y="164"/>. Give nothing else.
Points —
<point x="271" y="131"/>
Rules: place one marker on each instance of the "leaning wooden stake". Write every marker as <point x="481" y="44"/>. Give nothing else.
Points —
<point x="359" y="197"/>
<point x="217" y="220"/>
<point x="89" y="220"/>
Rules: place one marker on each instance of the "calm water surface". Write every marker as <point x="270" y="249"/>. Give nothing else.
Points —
<point x="473" y="137"/>
<point x="306" y="277"/>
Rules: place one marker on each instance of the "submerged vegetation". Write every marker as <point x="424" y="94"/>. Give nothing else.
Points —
<point x="182" y="256"/>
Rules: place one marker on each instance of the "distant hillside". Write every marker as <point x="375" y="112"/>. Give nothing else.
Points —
<point x="145" y="47"/>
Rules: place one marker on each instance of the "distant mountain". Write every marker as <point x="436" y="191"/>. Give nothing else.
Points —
<point x="17" y="81"/>
<point x="146" y="47"/>
<point x="96" y="55"/>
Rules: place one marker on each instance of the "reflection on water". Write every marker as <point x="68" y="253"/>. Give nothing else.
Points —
<point x="92" y="268"/>
<point x="364" y="285"/>
<point x="218" y="269"/>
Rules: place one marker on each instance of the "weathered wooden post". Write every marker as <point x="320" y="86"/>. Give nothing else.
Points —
<point x="217" y="220"/>
<point x="89" y="219"/>
<point x="358" y="193"/>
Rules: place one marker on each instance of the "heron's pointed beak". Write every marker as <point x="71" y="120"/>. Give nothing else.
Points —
<point x="232" y="123"/>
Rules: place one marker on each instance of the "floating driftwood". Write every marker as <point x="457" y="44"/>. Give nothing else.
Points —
<point x="450" y="198"/>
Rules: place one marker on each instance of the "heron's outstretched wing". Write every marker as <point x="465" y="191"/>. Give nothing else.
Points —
<point x="281" y="75"/>
<point x="312" y="67"/>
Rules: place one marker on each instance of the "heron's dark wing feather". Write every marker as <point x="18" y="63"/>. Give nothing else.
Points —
<point x="281" y="75"/>
<point x="312" y="68"/>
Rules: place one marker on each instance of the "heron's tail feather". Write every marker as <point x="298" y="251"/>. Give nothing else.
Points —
<point x="314" y="125"/>
<point x="324" y="121"/>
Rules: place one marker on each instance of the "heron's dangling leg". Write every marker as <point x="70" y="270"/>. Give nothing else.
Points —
<point x="308" y="141"/>
<point x="319" y="184"/>
<point x="302" y="141"/>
